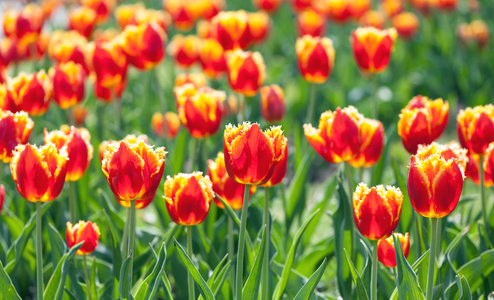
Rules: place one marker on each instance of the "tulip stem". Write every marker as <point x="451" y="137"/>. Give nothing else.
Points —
<point x="349" y="178"/>
<point x="118" y="113"/>
<point x="265" y="266"/>
<point x="482" y="194"/>
<point x="241" y="245"/>
<point x="190" y="280"/>
<point x="432" y="259"/>
<point x="241" y="104"/>
<point x="39" y="254"/>
<point x="130" y="246"/>
<point x="312" y="103"/>
<point x="125" y="237"/>
<point x="373" y="287"/>
<point x="375" y="102"/>
<point x="86" y="274"/>
<point x="231" y="252"/>
<point x="72" y="201"/>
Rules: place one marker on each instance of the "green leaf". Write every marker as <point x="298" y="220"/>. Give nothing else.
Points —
<point x="125" y="280"/>
<point x="378" y="169"/>
<point x="149" y="287"/>
<point x="357" y="280"/>
<point x="297" y="185"/>
<point x="452" y="249"/>
<point x="464" y="288"/>
<point x="57" y="243"/>
<point x="218" y="283"/>
<point x="311" y="284"/>
<point x="406" y="280"/>
<point x="92" y="284"/>
<point x="406" y="211"/>
<point x="420" y="268"/>
<point x="252" y="285"/>
<point x="280" y="287"/>
<point x="7" y="289"/>
<point x="115" y="242"/>
<point x="216" y="276"/>
<point x="203" y="286"/>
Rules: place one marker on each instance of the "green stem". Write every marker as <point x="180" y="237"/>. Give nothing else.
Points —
<point x="432" y="259"/>
<point x="88" y="282"/>
<point x="118" y="113"/>
<point x="158" y="90"/>
<point x="39" y="254"/>
<point x="312" y="104"/>
<point x="373" y="287"/>
<point x="72" y="201"/>
<point x="231" y="252"/>
<point x="125" y="237"/>
<point x="348" y="174"/>
<point x="194" y="155"/>
<point x="265" y="266"/>
<point x="241" y="110"/>
<point x="132" y="231"/>
<point x="375" y="102"/>
<point x="241" y="245"/>
<point x="190" y="280"/>
<point x="482" y="194"/>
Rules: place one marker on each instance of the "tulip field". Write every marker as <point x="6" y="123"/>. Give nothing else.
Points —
<point x="246" y="149"/>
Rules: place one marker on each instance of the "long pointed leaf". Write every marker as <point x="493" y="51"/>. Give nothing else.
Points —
<point x="310" y="286"/>
<point x="408" y="285"/>
<point x="149" y="287"/>
<point x="251" y="287"/>
<point x="7" y="289"/>
<point x="359" y="284"/>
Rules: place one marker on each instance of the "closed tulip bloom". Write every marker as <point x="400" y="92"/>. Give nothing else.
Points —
<point x="392" y="7"/>
<point x="372" y="48"/>
<point x="125" y="14"/>
<point x="212" y="58"/>
<point x="446" y="5"/>
<point x="272" y="103"/>
<point x="376" y="211"/>
<point x="7" y="52"/>
<point x="188" y="198"/>
<point x="78" y="145"/>
<point x="371" y="144"/>
<point x="210" y="8"/>
<point x="386" y="249"/>
<point x="489" y="166"/>
<point x="337" y="138"/>
<point x="144" y="45"/>
<point x="228" y="189"/>
<point x="300" y="5"/>
<point x="79" y="113"/>
<point x="82" y="20"/>
<point x="315" y="57"/>
<point x="39" y="173"/>
<point x="15" y="129"/>
<point x="30" y="92"/>
<point x="160" y="17"/>
<point x="231" y="29"/>
<point x="87" y="232"/>
<point x="246" y="71"/>
<point x="472" y="169"/>
<point x="68" y="84"/>
<point x="197" y="79"/>
<point x="103" y="8"/>
<point x="406" y="24"/>
<point x="67" y="46"/>
<point x="24" y="25"/>
<point x="185" y="49"/>
<point x="422" y="121"/>
<point x="131" y="139"/>
<point x="338" y="10"/>
<point x="373" y="18"/>
<point x="359" y="7"/>
<point x="476" y="128"/>
<point x="166" y="125"/>
<point x="269" y="6"/>
<point x="182" y="13"/>
<point x="311" y="22"/>
<point x="259" y="26"/>
<point x="2" y="196"/>
<point x="110" y="66"/>
<point x="133" y="170"/>
<point x="280" y="169"/>
<point x="251" y="155"/>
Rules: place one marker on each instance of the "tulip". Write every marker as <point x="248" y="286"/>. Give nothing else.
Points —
<point x="87" y="232"/>
<point x="125" y="14"/>
<point x="246" y="71"/>
<point x="477" y="31"/>
<point x="422" y="121"/>
<point x="259" y="26"/>
<point x="82" y="20"/>
<point x="315" y="58"/>
<point x="472" y="169"/>
<point x="166" y="125"/>
<point x="15" y="129"/>
<point x="106" y="94"/>
<point x="103" y="8"/>
<point x="30" y="93"/>
<point x="449" y="151"/>
<point x="476" y="128"/>
<point x="392" y="7"/>
<point x="185" y="50"/>
<point x="371" y="144"/>
<point x="310" y="22"/>
<point x="67" y="46"/>
<point x="269" y="6"/>
<point x="132" y="139"/>
<point x="2" y="196"/>
<point x="160" y="17"/>
<point x="386" y="249"/>
<point x="7" y="52"/>
<point x="446" y="5"/>
<point x="197" y="79"/>
<point x="338" y="10"/>
<point x="210" y="8"/>
<point x="406" y="24"/>
<point x="359" y="7"/>
<point x="424" y="6"/>
<point x="272" y="103"/>
<point x="25" y="25"/>
<point x="489" y="166"/>
<point x="40" y="47"/>
<point x="204" y="30"/>
<point x="79" y="114"/>
<point x="372" y="18"/>
<point x="68" y="84"/>
<point x="212" y="58"/>
<point x="182" y="12"/>
<point x="231" y="29"/>
<point x="300" y="5"/>
<point x="372" y="48"/>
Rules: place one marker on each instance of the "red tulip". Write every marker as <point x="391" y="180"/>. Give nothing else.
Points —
<point x="311" y="22"/>
<point x="185" y="50"/>
<point x="29" y="92"/>
<point x="2" y="196"/>
<point x="272" y="103"/>
<point x="386" y="249"/>
<point x="406" y="24"/>
<point x="246" y="71"/>
<point x="212" y="58"/>
<point x="371" y="144"/>
<point x="67" y="46"/>
<point x="315" y="58"/>
<point x="231" y="29"/>
<point x="131" y="139"/>
<point x="103" y="8"/>
<point x="373" y="18"/>
<point x="68" y="84"/>
<point x="269" y="6"/>
<point x="183" y="12"/>
<point x="372" y="48"/>
<point x="476" y="128"/>
<point x="86" y="232"/>
<point x="15" y="129"/>
<point x="166" y="125"/>
<point x="259" y="26"/>
<point x="82" y="20"/>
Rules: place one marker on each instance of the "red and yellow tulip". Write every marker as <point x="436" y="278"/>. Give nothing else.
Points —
<point x="372" y="48"/>
<point x="315" y="57"/>
<point x="246" y="71"/>
<point x="475" y="128"/>
<point x="15" y="129"/>
<point x="87" y="232"/>
<point x="272" y="103"/>
<point x="68" y="84"/>
<point x="386" y="249"/>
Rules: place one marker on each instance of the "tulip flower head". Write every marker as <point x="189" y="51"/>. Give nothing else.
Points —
<point x="451" y="150"/>
<point x="24" y="25"/>
<point x="68" y="84"/>
<point x="269" y="6"/>
<point x="166" y="125"/>
<point x="251" y="155"/>
<point x="272" y="103"/>
<point x="259" y="26"/>
<point x="15" y="129"/>
<point x="406" y="24"/>
<point x="246" y="71"/>
<point x="231" y="29"/>
<point x="188" y="198"/>
<point x="82" y="20"/>
<point x="392" y="7"/>
<point x="373" y="18"/>
<point x="78" y="145"/>
<point x="159" y="17"/>
<point x="475" y="128"/>
<point x="79" y="113"/>
<point x="386" y="249"/>
<point x="376" y="211"/>
<point x="300" y="5"/>
<point x="131" y="138"/>
<point x="185" y="50"/>
<point x="87" y="232"/>
<point x="7" y="52"/>
<point x="30" y="92"/>
<point x="372" y="48"/>
<point x="446" y="5"/>
<point x="475" y="32"/>
<point x="197" y="79"/>
<point x="315" y="57"/>
<point x="67" y="46"/>
<point x="489" y="166"/>
<point x="182" y="13"/>
<point x="422" y="121"/>
<point x="371" y="144"/>
<point x="210" y="8"/>
<point x="311" y="22"/>
<point x="125" y="13"/>
<point x="338" y="11"/>
<point x="39" y="173"/>
<point x="212" y="58"/>
<point x="103" y="8"/>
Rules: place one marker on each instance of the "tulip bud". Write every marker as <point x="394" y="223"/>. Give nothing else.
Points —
<point x="259" y="26"/>
<point x="246" y="71"/>
<point x="406" y="24"/>
<point x="212" y="58"/>
<point x="315" y="58"/>
<point x="131" y="139"/>
<point x="197" y="79"/>
<point x="30" y="92"/>
<point x="359" y="7"/>
<point x="182" y="13"/>
<point x="82" y="20"/>
<point x="185" y="50"/>
<point x="86" y="232"/>
<point x="15" y="130"/>
<point x="372" y="18"/>
<point x="371" y="144"/>
<point x="103" y="8"/>
<point x="269" y="6"/>
<point x="231" y="29"/>
<point x="125" y="14"/>
<point x="67" y="46"/>
<point x="476" y="128"/>
<point x="68" y="84"/>
<point x="392" y="7"/>
<point x="272" y="103"/>
<point x="386" y="249"/>
<point x="311" y="22"/>
<point x="372" y="48"/>
<point x="79" y="113"/>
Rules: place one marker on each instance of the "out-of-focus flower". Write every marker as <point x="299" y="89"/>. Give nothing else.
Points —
<point x="125" y="13"/>
<point x="212" y="58"/>
<point x="87" y="232"/>
<point x="39" y="173"/>
<point x="2" y="196"/>
<point x="446" y="5"/>
<point x="7" y="52"/>
<point x="133" y="170"/>
<point x="131" y="139"/>
<point x="386" y="249"/>
<point x="473" y="5"/>
<point x="200" y="110"/>
<point x="372" y="48"/>
<point x="434" y="183"/>
<point x="359" y="7"/>
<point x="311" y="22"/>
<point x="406" y="24"/>
<point x="232" y="104"/>
<point x="272" y="103"/>
<point x="231" y="29"/>
<point x="422" y="121"/>
<point x="259" y="26"/>
<point x="269" y="6"/>
<point x="15" y="129"/>
<point x="188" y="198"/>
<point x="315" y="57"/>
<point x="204" y="29"/>
<point x="103" y="8"/>
<point x="476" y="128"/>
<point x="144" y="45"/>
<point x="197" y="79"/>
<point x="161" y="18"/>
<point x="371" y="144"/>
<point x="68" y="84"/>
<point x="472" y="169"/>
<point x="182" y="12"/>
<point x="166" y="125"/>
<point x="48" y="6"/>
<point x="79" y="113"/>
<point x="337" y="138"/>
<point x="300" y="5"/>
<point x="424" y="6"/>
<point x="184" y="49"/>
<point x="376" y="211"/>
<point x="24" y="25"/>
<point x="78" y="146"/>
<point x="251" y="155"/>
<point x="29" y="92"/>
<point x="103" y="36"/>
<point x="210" y="8"/>
<point x="477" y="31"/>
<point x="338" y="10"/>
<point x="40" y="47"/>
<point x="392" y="7"/>
<point x="228" y="189"/>
<point x="67" y="46"/>
<point x="246" y="71"/>
<point x="373" y="18"/>
<point x="82" y="20"/>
